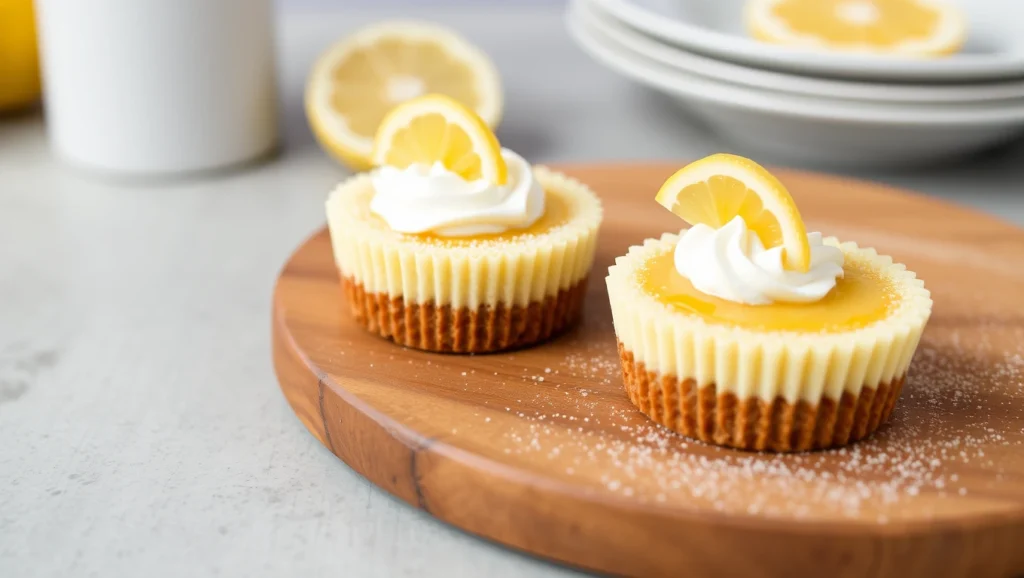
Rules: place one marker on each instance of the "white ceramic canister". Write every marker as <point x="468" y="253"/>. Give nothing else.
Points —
<point x="158" y="87"/>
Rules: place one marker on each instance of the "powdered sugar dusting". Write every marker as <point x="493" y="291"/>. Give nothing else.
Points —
<point x="952" y="445"/>
<point x="945" y="423"/>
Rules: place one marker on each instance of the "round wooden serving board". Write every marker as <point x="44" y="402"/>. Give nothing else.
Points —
<point x="541" y="450"/>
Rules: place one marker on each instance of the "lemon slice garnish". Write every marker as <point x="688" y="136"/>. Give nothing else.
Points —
<point x="438" y="129"/>
<point x="718" y="188"/>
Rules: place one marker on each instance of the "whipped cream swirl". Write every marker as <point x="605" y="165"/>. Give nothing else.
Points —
<point x="422" y="198"/>
<point x="731" y="263"/>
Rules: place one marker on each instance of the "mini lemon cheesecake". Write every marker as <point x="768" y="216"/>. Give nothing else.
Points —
<point x="454" y="244"/>
<point x="746" y="331"/>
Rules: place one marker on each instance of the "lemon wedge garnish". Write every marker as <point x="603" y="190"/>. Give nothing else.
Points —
<point x="718" y="188"/>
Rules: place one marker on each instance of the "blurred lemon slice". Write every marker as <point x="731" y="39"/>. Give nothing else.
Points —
<point x="438" y="129"/>
<point x="362" y="77"/>
<point x="904" y="27"/>
<point x="19" y="63"/>
<point x="718" y="188"/>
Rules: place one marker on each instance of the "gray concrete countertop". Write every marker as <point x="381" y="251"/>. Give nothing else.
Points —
<point x="142" y="432"/>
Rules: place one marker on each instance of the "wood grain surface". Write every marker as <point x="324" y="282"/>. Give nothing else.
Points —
<point x="541" y="450"/>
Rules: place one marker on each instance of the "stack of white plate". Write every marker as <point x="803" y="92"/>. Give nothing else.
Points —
<point x="817" y="106"/>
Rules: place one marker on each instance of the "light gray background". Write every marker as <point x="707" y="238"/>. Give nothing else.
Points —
<point x="142" y="432"/>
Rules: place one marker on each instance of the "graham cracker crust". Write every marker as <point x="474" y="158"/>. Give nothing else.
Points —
<point x="444" y="329"/>
<point x="752" y="423"/>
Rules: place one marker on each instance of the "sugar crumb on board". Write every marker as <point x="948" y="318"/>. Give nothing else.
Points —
<point x="905" y="461"/>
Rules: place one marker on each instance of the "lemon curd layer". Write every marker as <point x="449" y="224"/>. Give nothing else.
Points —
<point x="557" y="212"/>
<point x="861" y="297"/>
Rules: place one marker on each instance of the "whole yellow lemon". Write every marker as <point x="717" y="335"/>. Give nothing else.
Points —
<point x="19" y="58"/>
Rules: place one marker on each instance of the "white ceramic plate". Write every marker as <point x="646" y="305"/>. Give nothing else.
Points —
<point x="994" y="50"/>
<point x="679" y="58"/>
<point x="814" y="131"/>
